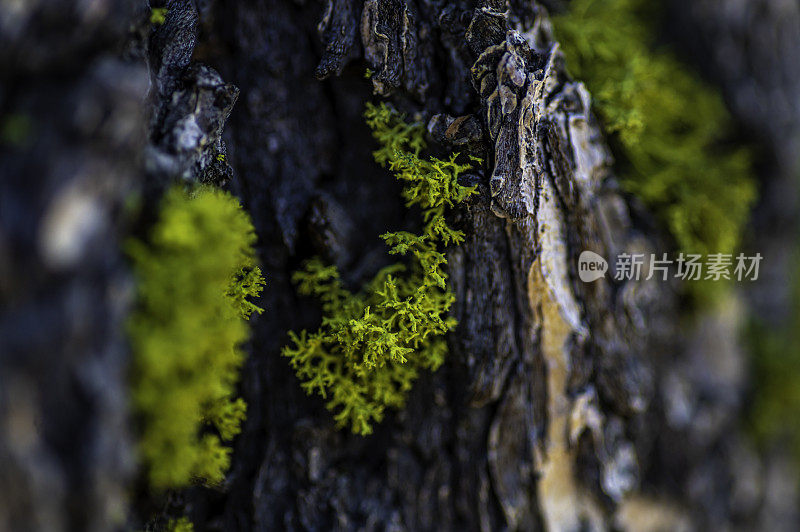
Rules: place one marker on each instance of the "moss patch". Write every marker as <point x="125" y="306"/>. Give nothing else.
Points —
<point x="668" y="127"/>
<point x="180" y="525"/>
<point x="773" y="415"/>
<point x="194" y="277"/>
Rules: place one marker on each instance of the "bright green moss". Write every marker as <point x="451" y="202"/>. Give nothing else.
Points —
<point x="194" y="277"/>
<point x="372" y="344"/>
<point x="668" y="125"/>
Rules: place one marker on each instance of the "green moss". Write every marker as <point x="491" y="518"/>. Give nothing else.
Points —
<point x="158" y="15"/>
<point x="775" y="405"/>
<point x="372" y="344"/>
<point x="180" y="525"/>
<point x="194" y="277"/>
<point x="667" y="125"/>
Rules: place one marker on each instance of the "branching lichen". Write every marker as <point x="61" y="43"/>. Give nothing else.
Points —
<point x="668" y="125"/>
<point x="372" y="344"/>
<point x="194" y="278"/>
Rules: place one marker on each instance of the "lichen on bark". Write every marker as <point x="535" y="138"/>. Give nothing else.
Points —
<point x="544" y="374"/>
<point x="195" y="275"/>
<point x="372" y="344"/>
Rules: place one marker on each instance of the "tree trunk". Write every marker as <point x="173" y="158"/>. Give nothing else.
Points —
<point x="562" y="405"/>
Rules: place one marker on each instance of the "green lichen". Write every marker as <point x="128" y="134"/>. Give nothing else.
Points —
<point x="180" y="525"/>
<point x="668" y="127"/>
<point x="773" y="414"/>
<point x="158" y="15"/>
<point x="372" y="344"/>
<point x="194" y="277"/>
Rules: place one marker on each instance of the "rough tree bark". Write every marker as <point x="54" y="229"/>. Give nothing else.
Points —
<point x="562" y="405"/>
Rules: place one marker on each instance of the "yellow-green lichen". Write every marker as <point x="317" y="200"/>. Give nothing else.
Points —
<point x="158" y="15"/>
<point x="774" y="413"/>
<point x="180" y="525"/>
<point x="372" y="344"/>
<point x="667" y="126"/>
<point x="194" y="277"/>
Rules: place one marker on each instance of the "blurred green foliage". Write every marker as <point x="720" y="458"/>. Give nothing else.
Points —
<point x="158" y="15"/>
<point x="194" y="277"/>
<point x="180" y="525"/>
<point x="16" y="130"/>
<point x="372" y="344"/>
<point x="775" y="407"/>
<point x="669" y="127"/>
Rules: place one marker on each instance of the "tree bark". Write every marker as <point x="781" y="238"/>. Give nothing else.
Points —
<point x="562" y="405"/>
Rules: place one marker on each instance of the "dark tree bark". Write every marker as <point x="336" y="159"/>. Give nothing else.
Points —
<point x="562" y="405"/>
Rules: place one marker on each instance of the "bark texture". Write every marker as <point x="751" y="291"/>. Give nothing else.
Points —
<point x="562" y="406"/>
